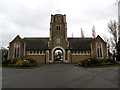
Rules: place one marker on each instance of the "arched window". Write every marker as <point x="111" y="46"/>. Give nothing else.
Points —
<point x="16" y="50"/>
<point x="99" y="50"/>
<point x="58" y="27"/>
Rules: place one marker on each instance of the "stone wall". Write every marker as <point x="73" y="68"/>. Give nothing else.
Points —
<point x="94" y="48"/>
<point x="78" y="58"/>
<point x="11" y="48"/>
<point x="37" y="58"/>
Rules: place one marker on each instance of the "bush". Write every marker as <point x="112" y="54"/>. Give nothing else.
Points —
<point x="13" y="61"/>
<point x="112" y="61"/>
<point x="6" y="62"/>
<point x="19" y="62"/>
<point x="97" y="62"/>
<point x="32" y="60"/>
<point x="9" y="61"/>
<point x="90" y="62"/>
<point x="25" y="63"/>
<point x="103" y="61"/>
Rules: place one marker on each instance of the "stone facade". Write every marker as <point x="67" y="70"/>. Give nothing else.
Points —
<point x="22" y="46"/>
<point x="58" y="45"/>
<point x="94" y="47"/>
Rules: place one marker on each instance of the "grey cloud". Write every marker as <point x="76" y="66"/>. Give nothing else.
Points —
<point x="32" y="17"/>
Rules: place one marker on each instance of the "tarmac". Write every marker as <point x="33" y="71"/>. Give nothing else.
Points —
<point x="60" y="76"/>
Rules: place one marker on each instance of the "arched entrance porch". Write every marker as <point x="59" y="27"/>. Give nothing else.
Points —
<point x="58" y="54"/>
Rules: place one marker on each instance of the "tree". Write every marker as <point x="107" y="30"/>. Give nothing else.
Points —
<point x="107" y="40"/>
<point x="72" y="35"/>
<point x="113" y="30"/>
<point x="82" y="33"/>
<point x="93" y="32"/>
<point x="3" y="54"/>
<point x="119" y="31"/>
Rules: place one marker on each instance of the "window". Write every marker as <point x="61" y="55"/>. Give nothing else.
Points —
<point x="72" y="52"/>
<point x="84" y="52"/>
<point x="78" y="52"/>
<point x="75" y="52"/>
<point x="81" y="52"/>
<point x="34" y="52"/>
<point x="37" y="52"/>
<point x="88" y="52"/>
<point x="99" y="50"/>
<point x="30" y="52"/>
<point x="58" y="27"/>
<point x="40" y="52"/>
<point x="16" y="50"/>
<point x="43" y="52"/>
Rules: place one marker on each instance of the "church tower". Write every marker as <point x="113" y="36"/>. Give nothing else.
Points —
<point x="58" y="35"/>
<point x="58" y="31"/>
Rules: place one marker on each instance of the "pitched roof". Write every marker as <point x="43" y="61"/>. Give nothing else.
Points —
<point x="42" y="43"/>
<point x="36" y="43"/>
<point x="80" y="43"/>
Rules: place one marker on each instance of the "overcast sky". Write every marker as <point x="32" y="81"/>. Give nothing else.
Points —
<point x="31" y="18"/>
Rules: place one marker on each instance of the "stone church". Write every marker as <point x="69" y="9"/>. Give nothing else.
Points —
<point x="58" y="47"/>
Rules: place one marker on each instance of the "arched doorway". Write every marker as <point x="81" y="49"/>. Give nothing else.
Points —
<point x="58" y="54"/>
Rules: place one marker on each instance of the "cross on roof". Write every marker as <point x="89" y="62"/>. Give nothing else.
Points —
<point x="58" y="11"/>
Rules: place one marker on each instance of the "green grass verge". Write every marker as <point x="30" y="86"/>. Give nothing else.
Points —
<point x="22" y="67"/>
<point x="104" y="66"/>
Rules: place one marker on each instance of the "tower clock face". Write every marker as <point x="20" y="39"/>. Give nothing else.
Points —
<point x="58" y="18"/>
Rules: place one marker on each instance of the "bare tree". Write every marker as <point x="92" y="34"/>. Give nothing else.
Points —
<point x="93" y="32"/>
<point x="107" y="40"/>
<point x="112" y="28"/>
<point x="116" y="2"/>
<point x="72" y="34"/>
<point x="82" y="33"/>
<point x="119" y="31"/>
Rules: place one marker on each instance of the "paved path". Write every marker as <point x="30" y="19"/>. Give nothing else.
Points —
<point x="60" y="76"/>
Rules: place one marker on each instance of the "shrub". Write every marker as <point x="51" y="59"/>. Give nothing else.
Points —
<point x="9" y="61"/>
<point x="25" y="63"/>
<point x="19" y="62"/>
<point x="13" y="61"/>
<point x="112" y="61"/>
<point x="6" y="62"/>
<point x="95" y="62"/>
<point x="90" y="62"/>
<point x="103" y="61"/>
<point x="32" y="60"/>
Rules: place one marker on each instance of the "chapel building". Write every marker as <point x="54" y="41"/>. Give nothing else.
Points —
<point x="58" y="47"/>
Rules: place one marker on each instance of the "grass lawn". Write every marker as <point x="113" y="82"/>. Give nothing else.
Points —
<point x="98" y="66"/>
<point x="21" y="67"/>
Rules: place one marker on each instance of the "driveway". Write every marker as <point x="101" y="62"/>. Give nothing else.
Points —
<point x="60" y="76"/>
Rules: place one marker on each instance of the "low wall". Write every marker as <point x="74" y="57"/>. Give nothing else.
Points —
<point x="78" y="58"/>
<point x="37" y="58"/>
